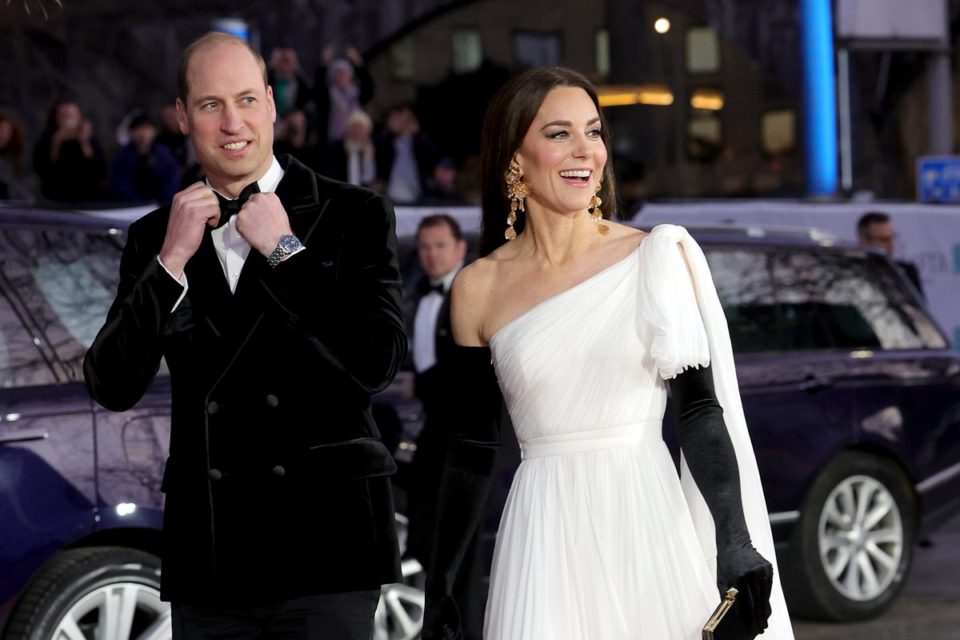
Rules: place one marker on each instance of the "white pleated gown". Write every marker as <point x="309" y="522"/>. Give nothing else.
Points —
<point x="598" y="540"/>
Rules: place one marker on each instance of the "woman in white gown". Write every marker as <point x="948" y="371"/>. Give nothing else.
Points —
<point x="587" y="323"/>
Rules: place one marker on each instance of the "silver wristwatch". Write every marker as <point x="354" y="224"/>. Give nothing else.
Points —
<point x="288" y="244"/>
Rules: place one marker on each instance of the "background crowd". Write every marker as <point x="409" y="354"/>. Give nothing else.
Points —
<point x="321" y="120"/>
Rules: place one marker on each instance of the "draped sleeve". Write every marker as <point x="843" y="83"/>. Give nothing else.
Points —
<point x="670" y="304"/>
<point x="679" y="302"/>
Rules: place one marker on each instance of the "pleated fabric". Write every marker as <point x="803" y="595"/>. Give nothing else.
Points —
<point x="598" y="540"/>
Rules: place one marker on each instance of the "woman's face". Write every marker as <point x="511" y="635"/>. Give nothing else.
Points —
<point x="562" y="155"/>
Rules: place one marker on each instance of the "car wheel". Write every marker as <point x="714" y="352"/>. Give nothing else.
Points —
<point x="399" y="614"/>
<point x="853" y="545"/>
<point x="103" y="592"/>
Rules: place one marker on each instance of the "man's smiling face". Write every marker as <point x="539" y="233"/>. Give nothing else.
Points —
<point x="229" y="115"/>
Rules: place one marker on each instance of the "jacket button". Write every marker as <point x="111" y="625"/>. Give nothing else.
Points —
<point x="279" y="471"/>
<point x="214" y="474"/>
<point x="212" y="407"/>
<point x="272" y="400"/>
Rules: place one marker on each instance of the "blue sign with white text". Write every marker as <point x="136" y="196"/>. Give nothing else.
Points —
<point x="938" y="179"/>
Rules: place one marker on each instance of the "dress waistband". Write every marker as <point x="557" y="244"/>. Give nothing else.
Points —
<point x="591" y="440"/>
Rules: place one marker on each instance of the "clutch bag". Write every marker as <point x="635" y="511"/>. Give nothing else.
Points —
<point x="717" y="616"/>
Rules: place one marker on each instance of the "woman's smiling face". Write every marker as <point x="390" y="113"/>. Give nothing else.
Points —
<point x="562" y="156"/>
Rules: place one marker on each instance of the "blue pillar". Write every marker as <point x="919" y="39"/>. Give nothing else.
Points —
<point x="819" y="97"/>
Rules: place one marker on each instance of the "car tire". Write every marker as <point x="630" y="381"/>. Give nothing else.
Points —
<point x="103" y="592"/>
<point x="852" y="547"/>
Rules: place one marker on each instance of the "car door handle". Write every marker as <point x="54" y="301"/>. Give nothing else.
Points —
<point x="813" y="383"/>
<point x="24" y="436"/>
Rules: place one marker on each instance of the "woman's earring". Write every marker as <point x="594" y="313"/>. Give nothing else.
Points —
<point x="596" y="213"/>
<point x="517" y="190"/>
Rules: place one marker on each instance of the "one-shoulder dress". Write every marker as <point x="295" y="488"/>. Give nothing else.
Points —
<point x="601" y="538"/>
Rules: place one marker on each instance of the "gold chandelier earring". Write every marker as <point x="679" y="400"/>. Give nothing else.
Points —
<point x="595" y="213"/>
<point x="517" y="190"/>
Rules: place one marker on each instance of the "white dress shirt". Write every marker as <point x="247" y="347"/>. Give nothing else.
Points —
<point x="425" y="324"/>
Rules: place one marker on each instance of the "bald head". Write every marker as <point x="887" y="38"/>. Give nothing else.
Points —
<point x="210" y="39"/>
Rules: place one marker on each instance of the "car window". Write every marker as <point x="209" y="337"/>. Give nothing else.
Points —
<point x="23" y="362"/>
<point x="742" y="279"/>
<point x="831" y="300"/>
<point x="780" y="299"/>
<point x="59" y="283"/>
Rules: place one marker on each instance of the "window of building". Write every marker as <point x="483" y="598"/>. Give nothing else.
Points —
<point x="601" y="48"/>
<point x="403" y="60"/>
<point x="778" y="132"/>
<point x="467" y="49"/>
<point x="704" y="137"/>
<point x="703" y="50"/>
<point x="536" y="48"/>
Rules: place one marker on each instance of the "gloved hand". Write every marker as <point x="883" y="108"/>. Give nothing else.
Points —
<point x="709" y="453"/>
<point x="745" y="569"/>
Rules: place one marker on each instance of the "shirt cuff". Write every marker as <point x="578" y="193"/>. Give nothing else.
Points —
<point x="292" y="253"/>
<point x="182" y="280"/>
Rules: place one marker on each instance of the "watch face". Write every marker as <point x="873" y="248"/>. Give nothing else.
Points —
<point x="289" y="243"/>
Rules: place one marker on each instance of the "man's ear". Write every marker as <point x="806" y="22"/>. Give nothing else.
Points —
<point x="272" y="104"/>
<point x="182" y="118"/>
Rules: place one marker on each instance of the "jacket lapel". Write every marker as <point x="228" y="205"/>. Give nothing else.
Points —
<point x="207" y="289"/>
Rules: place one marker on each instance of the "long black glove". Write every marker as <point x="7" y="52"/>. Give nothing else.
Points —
<point x="706" y="445"/>
<point x="473" y="413"/>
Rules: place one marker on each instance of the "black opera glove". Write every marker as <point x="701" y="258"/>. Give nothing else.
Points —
<point x="472" y="412"/>
<point x="709" y="452"/>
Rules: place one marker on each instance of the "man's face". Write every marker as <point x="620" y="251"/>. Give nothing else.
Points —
<point x="229" y="116"/>
<point x="880" y="235"/>
<point x="439" y="251"/>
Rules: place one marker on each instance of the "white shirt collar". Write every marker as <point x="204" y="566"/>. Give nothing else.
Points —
<point x="267" y="183"/>
<point x="447" y="280"/>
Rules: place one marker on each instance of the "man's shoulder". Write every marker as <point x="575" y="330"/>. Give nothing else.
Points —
<point x="150" y="223"/>
<point x="349" y="198"/>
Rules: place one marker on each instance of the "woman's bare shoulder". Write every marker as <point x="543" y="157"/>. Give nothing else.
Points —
<point x="469" y="300"/>
<point x="625" y="233"/>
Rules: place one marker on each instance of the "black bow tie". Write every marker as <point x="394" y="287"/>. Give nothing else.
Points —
<point x="426" y="287"/>
<point x="231" y="207"/>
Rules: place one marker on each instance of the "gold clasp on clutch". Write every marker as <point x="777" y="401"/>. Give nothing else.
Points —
<point x="714" y="621"/>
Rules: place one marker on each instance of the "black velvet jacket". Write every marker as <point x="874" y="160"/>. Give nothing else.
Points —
<point x="277" y="483"/>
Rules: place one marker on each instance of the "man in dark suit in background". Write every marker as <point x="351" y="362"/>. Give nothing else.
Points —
<point x="279" y="315"/>
<point x="875" y="229"/>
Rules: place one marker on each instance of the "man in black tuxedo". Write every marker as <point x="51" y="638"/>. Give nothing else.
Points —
<point x="279" y="315"/>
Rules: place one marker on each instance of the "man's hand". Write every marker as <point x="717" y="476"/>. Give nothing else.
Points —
<point x="193" y="208"/>
<point x="263" y="221"/>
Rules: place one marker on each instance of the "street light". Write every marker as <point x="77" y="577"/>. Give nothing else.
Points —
<point x="661" y="25"/>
